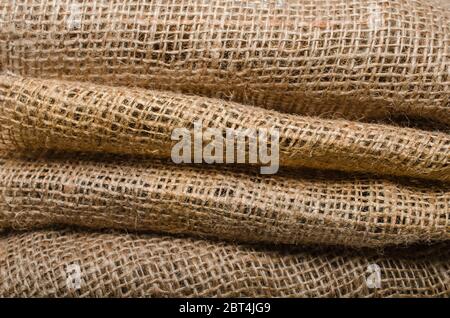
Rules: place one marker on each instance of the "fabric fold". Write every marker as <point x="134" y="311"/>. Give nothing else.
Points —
<point x="352" y="59"/>
<point x="72" y="116"/>
<point x="221" y="202"/>
<point x="71" y="264"/>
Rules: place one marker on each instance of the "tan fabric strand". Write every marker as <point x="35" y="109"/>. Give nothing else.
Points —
<point x="221" y="202"/>
<point x="48" y="114"/>
<point x="341" y="58"/>
<point x="119" y="265"/>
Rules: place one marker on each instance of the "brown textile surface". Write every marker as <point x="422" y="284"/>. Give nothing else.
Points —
<point x="308" y="207"/>
<point x="53" y="114"/>
<point x="90" y="90"/>
<point x="351" y="59"/>
<point x="444" y="3"/>
<point x="121" y="265"/>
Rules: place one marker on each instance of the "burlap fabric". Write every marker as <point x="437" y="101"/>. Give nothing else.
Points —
<point x="351" y="59"/>
<point x="444" y="3"/>
<point x="120" y="265"/>
<point x="52" y="114"/>
<point x="369" y="61"/>
<point x="308" y="207"/>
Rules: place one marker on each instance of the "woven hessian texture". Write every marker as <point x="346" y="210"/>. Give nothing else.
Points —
<point x="308" y="207"/>
<point x="120" y="265"/>
<point x="340" y="58"/>
<point x="444" y="3"/>
<point x="51" y="114"/>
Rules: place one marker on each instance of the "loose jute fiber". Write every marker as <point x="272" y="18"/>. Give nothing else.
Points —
<point x="221" y="202"/>
<point x="343" y="58"/>
<point x="62" y="115"/>
<point x="71" y="264"/>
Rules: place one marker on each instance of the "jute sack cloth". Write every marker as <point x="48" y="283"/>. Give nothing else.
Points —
<point x="342" y="58"/>
<point x="83" y="264"/>
<point x="222" y="202"/>
<point x="64" y="115"/>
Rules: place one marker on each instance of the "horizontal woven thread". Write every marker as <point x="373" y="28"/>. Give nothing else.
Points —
<point x="52" y="114"/>
<point x="233" y="204"/>
<point x="120" y="265"/>
<point x="350" y="59"/>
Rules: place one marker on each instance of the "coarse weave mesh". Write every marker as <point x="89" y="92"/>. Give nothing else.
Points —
<point x="344" y="58"/>
<point x="61" y="115"/>
<point x="308" y="207"/>
<point x="65" y="264"/>
<point x="91" y="91"/>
